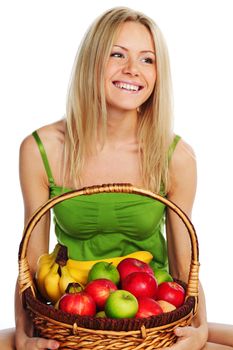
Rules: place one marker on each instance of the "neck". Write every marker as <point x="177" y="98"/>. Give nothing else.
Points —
<point x="122" y="126"/>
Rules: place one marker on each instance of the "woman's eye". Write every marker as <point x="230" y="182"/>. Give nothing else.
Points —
<point x="148" y="60"/>
<point x="117" y="55"/>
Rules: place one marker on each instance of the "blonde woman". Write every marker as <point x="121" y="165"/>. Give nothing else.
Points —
<point x="118" y="129"/>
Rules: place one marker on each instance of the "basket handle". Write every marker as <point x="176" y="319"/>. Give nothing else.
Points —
<point x="25" y="279"/>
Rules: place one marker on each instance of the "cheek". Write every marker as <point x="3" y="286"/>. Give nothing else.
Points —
<point x="152" y="79"/>
<point x="110" y="69"/>
<point x="107" y="76"/>
<point x="153" y="76"/>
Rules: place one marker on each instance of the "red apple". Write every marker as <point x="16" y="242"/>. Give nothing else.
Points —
<point x="121" y="304"/>
<point x="79" y="303"/>
<point x="100" y="290"/>
<point x="130" y="265"/>
<point x="148" y="307"/>
<point x="141" y="284"/>
<point x="171" y="292"/>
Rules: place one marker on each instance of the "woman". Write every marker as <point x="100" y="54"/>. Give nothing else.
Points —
<point x="118" y="128"/>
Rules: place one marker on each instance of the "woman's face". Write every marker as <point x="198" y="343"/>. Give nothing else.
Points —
<point x="131" y="70"/>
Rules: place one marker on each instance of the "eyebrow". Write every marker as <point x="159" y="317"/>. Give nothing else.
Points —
<point x="143" y="51"/>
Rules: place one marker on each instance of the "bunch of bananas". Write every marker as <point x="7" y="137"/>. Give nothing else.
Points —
<point x="52" y="277"/>
<point x="54" y="274"/>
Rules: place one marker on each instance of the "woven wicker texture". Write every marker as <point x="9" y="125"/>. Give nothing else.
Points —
<point x="81" y="338"/>
<point x="76" y="332"/>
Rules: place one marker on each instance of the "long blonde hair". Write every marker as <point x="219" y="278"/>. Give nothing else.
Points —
<point x="86" y="104"/>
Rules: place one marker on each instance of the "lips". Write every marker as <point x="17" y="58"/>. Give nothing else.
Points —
<point x="128" y="86"/>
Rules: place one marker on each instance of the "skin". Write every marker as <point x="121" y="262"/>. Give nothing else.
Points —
<point x="133" y="65"/>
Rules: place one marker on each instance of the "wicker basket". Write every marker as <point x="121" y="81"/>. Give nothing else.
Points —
<point x="76" y="332"/>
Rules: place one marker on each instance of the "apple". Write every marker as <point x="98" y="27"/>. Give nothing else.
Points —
<point x="103" y="269"/>
<point x="171" y="292"/>
<point x="148" y="307"/>
<point x="162" y="275"/>
<point x="121" y="304"/>
<point x="166" y="306"/>
<point x="101" y="314"/>
<point x="79" y="303"/>
<point x="129" y="265"/>
<point x="140" y="284"/>
<point x="100" y="290"/>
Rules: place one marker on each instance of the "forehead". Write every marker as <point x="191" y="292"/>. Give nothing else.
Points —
<point x="134" y="35"/>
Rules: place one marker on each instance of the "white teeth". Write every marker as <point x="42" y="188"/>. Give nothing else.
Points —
<point x="127" y="86"/>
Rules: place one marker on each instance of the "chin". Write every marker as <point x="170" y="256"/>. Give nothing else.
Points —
<point x="122" y="109"/>
<point x="124" y="106"/>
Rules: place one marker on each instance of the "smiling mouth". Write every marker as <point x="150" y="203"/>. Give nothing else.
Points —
<point x="127" y="87"/>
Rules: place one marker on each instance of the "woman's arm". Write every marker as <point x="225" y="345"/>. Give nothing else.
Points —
<point x="35" y="191"/>
<point x="182" y="192"/>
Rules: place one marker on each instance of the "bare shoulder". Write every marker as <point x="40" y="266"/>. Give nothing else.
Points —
<point x="183" y="166"/>
<point x="52" y="137"/>
<point x="51" y="133"/>
<point x="183" y="155"/>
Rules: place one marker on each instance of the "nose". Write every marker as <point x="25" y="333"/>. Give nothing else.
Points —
<point x="131" y="67"/>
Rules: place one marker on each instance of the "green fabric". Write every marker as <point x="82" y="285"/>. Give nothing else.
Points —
<point x="173" y="146"/>
<point x="109" y="224"/>
<point x="44" y="157"/>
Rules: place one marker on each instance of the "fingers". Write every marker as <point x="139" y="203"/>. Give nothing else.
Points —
<point x="184" y="331"/>
<point x="47" y="344"/>
<point x="188" y="338"/>
<point x="42" y="344"/>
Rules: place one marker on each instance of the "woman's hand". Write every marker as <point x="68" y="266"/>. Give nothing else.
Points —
<point x="189" y="338"/>
<point x="37" y="344"/>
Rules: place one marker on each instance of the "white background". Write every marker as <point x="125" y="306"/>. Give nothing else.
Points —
<point x="39" y="40"/>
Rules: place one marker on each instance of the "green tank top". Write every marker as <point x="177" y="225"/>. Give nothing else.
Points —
<point x="108" y="224"/>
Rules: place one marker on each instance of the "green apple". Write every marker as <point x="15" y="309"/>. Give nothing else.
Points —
<point x="121" y="304"/>
<point x="100" y="314"/>
<point x="162" y="276"/>
<point x="103" y="269"/>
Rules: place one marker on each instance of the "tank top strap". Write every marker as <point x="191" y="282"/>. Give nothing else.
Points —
<point x="44" y="157"/>
<point x="172" y="146"/>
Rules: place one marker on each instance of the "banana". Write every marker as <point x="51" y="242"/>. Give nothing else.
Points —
<point x="52" y="280"/>
<point x="79" y="275"/>
<point x="80" y="269"/>
<point x="41" y="273"/>
<point x="47" y="258"/>
<point x="142" y="255"/>
<point x="51" y="283"/>
<point x="52" y="276"/>
<point x="65" y="279"/>
<point x="44" y="265"/>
